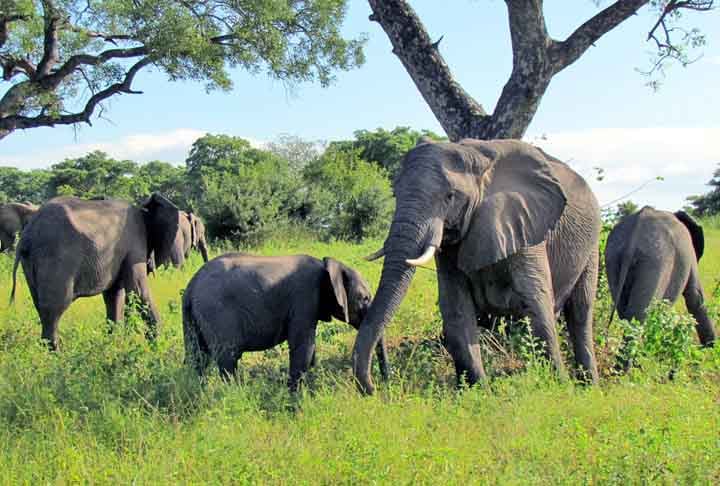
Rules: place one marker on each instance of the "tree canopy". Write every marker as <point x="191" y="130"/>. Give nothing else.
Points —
<point x="61" y="59"/>
<point x="537" y="57"/>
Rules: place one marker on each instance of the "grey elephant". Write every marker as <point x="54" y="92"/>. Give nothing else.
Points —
<point x="239" y="302"/>
<point x="13" y="218"/>
<point x="514" y="232"/>
<point x="654" y="255"/>
<point x="191" y="236"/>
<point x="79" y="248"/>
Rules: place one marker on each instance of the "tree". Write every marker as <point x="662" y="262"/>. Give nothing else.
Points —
<point x="295" y="150"/>
<point x="536" y="58"/>
<point x="384" y="148"/>
<point x="626" y="208"/>
<point x="61" y="59"/>
<point x="709" y="203"/>
<point x="349" y="198"/>
<point x="19" y="186"/>
<point x="93" y="175"/>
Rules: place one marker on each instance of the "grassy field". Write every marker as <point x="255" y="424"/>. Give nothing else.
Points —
<point x="111" y="408"/>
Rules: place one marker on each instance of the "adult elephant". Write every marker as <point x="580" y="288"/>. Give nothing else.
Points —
<point x="513" y="231"/>
<point x="190" y="236"/>
<point x="654" y="255"/>
<point x="13" y="218"/>
<point x="78" y="248"/>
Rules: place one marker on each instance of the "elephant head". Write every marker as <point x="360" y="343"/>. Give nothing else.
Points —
<point x="696" y="232"/>
<point x="197" y="230"/>
<point x="347" y="297"/>
<point x="162" y="222"/>
<point x="484" y="200"/>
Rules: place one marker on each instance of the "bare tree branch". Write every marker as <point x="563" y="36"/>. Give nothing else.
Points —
<point x="5" y="22"/>
<point x="10" y="123"/>
<point x="568" y="51"/>
<point x="457" y="112"/>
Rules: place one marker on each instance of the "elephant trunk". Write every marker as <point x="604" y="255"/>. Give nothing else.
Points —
<point x="203" y="247"/>
<point x="406" y="240"/>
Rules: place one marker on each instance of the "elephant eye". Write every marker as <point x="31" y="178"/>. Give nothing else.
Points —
<point x="450" y="196"/>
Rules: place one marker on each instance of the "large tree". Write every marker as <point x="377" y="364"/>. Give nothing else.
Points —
<point x="537" y="57"/>
<point x="61" y="59"/>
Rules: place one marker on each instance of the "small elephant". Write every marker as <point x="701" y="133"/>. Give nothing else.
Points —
<point x="78" y="248"/>
<point x="514" y="232"/>
<point x="239" y="302"/>
<point x="13" y="218"/>
<point x="654" y="255"/>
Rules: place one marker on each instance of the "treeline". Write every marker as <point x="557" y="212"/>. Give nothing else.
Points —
<point x="339" y="190"/>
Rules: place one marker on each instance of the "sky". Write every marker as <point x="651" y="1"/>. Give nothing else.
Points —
<point x="597" y="113"/>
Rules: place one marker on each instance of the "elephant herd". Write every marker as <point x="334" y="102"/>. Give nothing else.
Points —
<point x="513" y="231"/>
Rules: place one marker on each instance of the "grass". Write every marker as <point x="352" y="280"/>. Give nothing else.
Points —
<point x="111" y="408"/>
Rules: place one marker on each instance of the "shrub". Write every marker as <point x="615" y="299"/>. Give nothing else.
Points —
<point x="348" y="198"/>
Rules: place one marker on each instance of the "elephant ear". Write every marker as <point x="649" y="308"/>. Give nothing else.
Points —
<point x="162" y="222"/>
<point x="335" y="298"/>
<point x="522" y="201"/>
<point x="696" y="232"/>
<point x="193" y="228"/>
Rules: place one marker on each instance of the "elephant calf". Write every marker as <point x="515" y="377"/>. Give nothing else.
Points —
<point x="654" y="255"/>
<point x="239" y="302"/>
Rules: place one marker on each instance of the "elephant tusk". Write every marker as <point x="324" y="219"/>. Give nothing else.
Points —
<point x="374" y="256"/>
<point x="424" y="258"/>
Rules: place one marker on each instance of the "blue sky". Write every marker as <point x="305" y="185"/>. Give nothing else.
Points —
<point x="596" y="113"/>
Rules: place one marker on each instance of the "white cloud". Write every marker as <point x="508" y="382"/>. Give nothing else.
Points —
<point x="684" y="157"/>
<point x="171" y="146"/>
<point x="713" y="60"/>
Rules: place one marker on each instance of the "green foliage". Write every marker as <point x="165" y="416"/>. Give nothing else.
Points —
<point x="93" y="175"/>
<point x="385" y="148"/>
<point x="18" y="185"/>
<point x="708" y="204"/>
<point x="349" y="198"/>
<point x="97" y="42"/>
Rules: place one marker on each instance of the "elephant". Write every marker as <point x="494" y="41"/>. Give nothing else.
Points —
<point x="514" y="232"/>
<point x="79" y="248"/>
<point x="654" y="254"/>
<point x="190" y="236"/>
<point x="13" y="218"/>
<point x="239" y="302"/>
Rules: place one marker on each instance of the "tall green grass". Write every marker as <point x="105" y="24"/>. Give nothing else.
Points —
<point x="112" y="408"/>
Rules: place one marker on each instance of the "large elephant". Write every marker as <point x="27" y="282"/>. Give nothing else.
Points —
<point x="239" y="302"/>
<point x="654" y="255"/>
<point x="78" y="248"/>
<point x="513" y="231"/>
<point x="13" y="218"/>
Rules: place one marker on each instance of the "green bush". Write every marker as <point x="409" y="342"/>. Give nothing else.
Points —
<point x="348" y="198"/>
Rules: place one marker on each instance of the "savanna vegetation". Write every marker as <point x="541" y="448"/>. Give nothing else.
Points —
<point x="113" y="408"/>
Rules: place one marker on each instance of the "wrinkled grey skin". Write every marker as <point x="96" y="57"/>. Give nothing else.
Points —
<point x="13" y="218"/>
<point x="238" y="303"/>
<point x="78" y="248"/>
<point x="654" y="255"/>
<point x="517" y="232"/>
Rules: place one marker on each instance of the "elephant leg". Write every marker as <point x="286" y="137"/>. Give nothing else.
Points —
<point x="459" y="321"/>
<point x="578" y="310"/>
<point x="139" y="284"/>
<point x="531" y="280"/>
<point x="301" y="340"/>
<point x="50" y="318"/>
<point x="114" y="303"/>
<point x="6" y="241"/>
<point x="695" y="303"/>
<point x="227" y="364"/>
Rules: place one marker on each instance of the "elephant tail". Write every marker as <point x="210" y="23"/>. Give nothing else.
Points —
<point x="625" y="264"/>
<point x="196" y="350"/>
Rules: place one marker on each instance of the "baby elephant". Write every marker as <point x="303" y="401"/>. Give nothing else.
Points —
<point x="239" y="302"/>
<point x="654" y="255"/>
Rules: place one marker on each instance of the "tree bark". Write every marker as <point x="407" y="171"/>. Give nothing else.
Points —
<point x="536" y="59"/>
